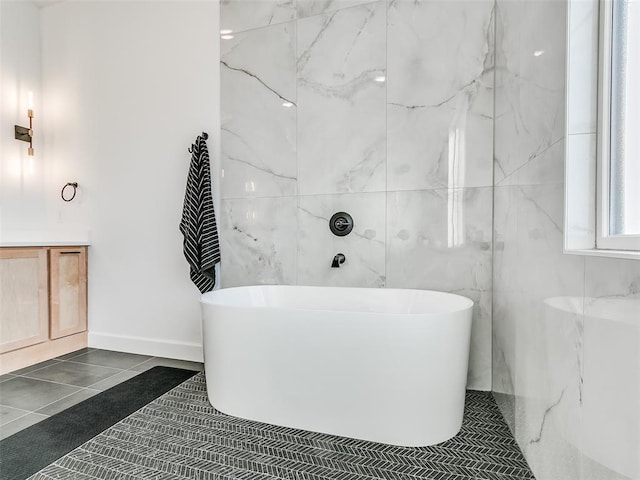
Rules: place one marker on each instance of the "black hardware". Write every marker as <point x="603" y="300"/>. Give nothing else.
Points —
<point x="74" y="185"/>
<point x="70" y="253"/>
<point x="341" y="224"/>
<point x="205" y="135"/>
<point x="338" y="260"/>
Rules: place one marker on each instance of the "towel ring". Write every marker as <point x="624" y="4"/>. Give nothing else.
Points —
<point x="73" y="185"/>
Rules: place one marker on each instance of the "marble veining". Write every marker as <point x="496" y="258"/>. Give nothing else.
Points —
<point x="307" y="8"/>
<point x="538" y="328"/>
<point x="341" y="101"/>
<point x="530" y="83"/>
<point x="611" y="419"/>
<point x="258" y="110"/>
<point x="260" y="243"/>
<point x="440" y="94"/>
<point x="239" y="15"/>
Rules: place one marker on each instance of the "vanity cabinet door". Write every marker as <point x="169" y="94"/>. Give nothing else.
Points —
<point x="68" y="290"/>
<point x="24" y="312"/>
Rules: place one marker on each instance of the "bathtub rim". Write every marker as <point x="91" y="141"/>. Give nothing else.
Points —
<point x="466" y="303"/>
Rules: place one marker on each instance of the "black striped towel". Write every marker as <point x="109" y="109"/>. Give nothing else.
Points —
<point x="198" y="224"/>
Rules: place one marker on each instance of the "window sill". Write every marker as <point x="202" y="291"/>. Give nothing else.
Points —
<point x="626" y="254"/>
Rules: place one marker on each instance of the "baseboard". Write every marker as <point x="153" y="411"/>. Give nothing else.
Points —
<point x="191" y="352"/>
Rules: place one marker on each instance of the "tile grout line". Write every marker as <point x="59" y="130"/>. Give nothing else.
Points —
<point x="22" y="416"/>
<point x="107" y="366"/>
<point x="69" y="384"/>
<point x="26" y="412"/>
<point x="36" y="369"/>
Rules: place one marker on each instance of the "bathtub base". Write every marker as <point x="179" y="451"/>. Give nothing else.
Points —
<point x="401" y="437"/>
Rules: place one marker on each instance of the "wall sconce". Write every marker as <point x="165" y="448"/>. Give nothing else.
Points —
<point x="26" y="134"/>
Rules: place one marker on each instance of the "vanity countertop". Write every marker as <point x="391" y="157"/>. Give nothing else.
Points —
<point x="56" y="243"/>
<point x="72" y="237"/>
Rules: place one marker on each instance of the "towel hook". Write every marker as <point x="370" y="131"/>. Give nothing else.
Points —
<point x="74" y="185"/>
<point x="205" y="135"/>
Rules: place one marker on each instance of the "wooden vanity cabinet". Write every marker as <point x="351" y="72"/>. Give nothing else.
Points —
<point x="43" y="304"/>
<point x="68" y="291"/>
<point x="24" y="298"/>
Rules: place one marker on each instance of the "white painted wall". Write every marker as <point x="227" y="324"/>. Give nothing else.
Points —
<point x="21" y="177"/>
<point x="129" y="85"/>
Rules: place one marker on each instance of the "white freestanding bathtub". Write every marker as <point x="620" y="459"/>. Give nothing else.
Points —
<point x="384" y="365"/>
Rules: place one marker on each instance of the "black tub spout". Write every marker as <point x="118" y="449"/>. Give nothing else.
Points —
<point x="338" y="260"/>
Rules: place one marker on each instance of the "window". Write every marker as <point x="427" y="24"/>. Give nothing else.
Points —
<point x="618" y="200"/>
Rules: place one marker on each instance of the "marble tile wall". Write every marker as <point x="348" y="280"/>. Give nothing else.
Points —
<point x="566" y="328"/>
<point x="408" y="114"/>
<point x="383" y="109"/>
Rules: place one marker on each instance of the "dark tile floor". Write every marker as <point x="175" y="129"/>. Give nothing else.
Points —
<point x="181" y="436"/>
<point x="32" y="394"/>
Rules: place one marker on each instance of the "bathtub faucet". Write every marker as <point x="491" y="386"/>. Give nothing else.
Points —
<point x="338" y="260"/>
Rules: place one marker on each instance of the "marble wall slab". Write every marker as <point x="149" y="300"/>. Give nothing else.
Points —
<point x="611" y="417"/>
<point x="440" y="94"/>
<point x="258" y="241"/>
<point x="307" y="8"/>
<point x="566" y="337"/>
<point x="538" y="290"/>
<point x="548" y="322"/>
<point x="341" y="102"/>
<point x="530" y="84"/>
<point x="441" y="240"/>
<point x="566" y="368"/>
<point x="240" y="15"/>
<point x="258" y="113"/>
